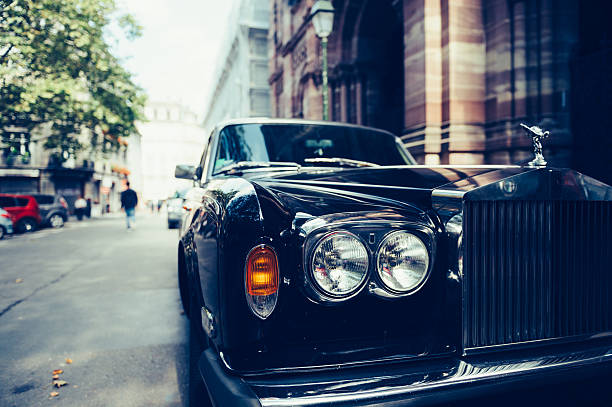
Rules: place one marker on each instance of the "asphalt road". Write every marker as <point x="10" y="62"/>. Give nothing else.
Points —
<point x="102" y="296"/>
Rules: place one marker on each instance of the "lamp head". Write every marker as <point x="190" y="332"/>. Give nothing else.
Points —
<point x="322" y="14"/>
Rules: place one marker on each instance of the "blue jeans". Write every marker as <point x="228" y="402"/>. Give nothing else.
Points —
<point x="130" y="216"/>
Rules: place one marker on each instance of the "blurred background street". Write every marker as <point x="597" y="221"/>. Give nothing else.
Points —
<point x="101" y="296"/>
<point x="98" y="95"/>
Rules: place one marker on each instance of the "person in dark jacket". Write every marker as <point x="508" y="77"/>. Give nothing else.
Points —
<point x="129" y="200"/>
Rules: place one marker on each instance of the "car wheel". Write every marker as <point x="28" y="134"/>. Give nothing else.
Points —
<point x="197" y="344"/>
<point x="2" y="232"/>
<point x="26" y="225"/>
<point x="56" y="221"/>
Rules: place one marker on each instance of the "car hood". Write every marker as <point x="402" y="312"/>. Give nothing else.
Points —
<point x="319" y="191"/>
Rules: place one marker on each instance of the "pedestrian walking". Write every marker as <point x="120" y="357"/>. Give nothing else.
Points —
<point x="79" y="207"/>
<point x="129" y="200"/>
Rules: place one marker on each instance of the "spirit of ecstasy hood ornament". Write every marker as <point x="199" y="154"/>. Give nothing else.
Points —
<point x="537" y="135"/>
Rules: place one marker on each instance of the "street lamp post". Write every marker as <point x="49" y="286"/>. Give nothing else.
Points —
<point x="322" y="15"/>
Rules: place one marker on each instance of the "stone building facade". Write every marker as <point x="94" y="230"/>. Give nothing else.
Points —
<point x="454" y="78"/>
<point x="171" y="135"/>
<point x="241" y="81"/>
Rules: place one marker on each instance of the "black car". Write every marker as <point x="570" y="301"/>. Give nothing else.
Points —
<point x="53" y="209"/>
<point x="320" y="265"/>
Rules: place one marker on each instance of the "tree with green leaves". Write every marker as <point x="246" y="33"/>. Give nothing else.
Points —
<point x="57" y="70"/>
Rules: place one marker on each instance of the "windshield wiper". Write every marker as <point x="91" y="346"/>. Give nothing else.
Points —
<point x="340" y="161"/>
<point x="246" y="165"/>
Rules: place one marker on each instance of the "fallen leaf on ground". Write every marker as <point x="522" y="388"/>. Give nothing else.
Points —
<point x="68" y="360"/>
<point x="19" y="280"/>
<point x="59" y="383"/>
<point x="54" y="394"/>
<point x="58" y="371"/>
<point x="55" y="376"/>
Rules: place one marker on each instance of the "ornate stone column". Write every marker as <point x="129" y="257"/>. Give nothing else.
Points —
<point x="422" y="79"/>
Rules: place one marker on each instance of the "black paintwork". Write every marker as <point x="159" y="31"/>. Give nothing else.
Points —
<point x="289" y="208"/>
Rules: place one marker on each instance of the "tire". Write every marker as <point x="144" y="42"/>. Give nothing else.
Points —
<point x="2" y="232"/>
<point x="56" y="221"/>
<point x="198" y="396"/>
<point x="26" y="225"/>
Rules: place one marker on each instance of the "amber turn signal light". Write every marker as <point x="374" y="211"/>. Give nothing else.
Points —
<point x="262" y="271"/>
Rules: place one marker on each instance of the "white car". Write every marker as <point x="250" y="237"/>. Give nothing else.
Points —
<point x="6" y="223"/>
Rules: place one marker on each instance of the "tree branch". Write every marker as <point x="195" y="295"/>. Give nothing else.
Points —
<point x="6" y="53"/>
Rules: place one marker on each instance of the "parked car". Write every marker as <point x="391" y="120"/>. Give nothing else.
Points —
<point x="175" y="211"/>
<point x="322" y="266"/>
<point x="6" y="224"/>
<point x="24" y="211"/>
<point x="53" y="209"/>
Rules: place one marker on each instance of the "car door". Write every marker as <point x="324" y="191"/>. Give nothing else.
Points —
<point x="204" y="227"/>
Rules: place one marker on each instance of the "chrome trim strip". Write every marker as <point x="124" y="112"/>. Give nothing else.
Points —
<point x="465" y="372"/>
<point x="319" y="292"/>
<point x="536" y="342"/>
<point x="448" y="193"/>
<point x="267" y="120"/>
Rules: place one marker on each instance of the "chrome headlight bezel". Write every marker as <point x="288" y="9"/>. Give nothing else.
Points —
<point x="424" y="277"/>
<point x="371" y="233"/>
<point x="325" y="294"/>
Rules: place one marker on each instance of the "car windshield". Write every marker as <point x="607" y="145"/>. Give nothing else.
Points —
<point x="308" y="144"/>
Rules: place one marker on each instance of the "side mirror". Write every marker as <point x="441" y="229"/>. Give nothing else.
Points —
<point x="185" y="171"/>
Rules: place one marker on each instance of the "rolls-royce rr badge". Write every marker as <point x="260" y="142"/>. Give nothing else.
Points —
<point x="537" y="135"/>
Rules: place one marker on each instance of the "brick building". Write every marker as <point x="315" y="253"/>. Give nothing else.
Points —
<point x="454" y="78"/>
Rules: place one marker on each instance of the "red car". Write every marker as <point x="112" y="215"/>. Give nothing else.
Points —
<point x="23" y="209"/>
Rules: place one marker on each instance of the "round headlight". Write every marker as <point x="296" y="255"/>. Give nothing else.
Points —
<point x="402" y="261"/>
<point x="339" y="264"/>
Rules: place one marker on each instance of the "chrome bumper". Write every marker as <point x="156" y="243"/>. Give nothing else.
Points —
<point x="421" y="383"/>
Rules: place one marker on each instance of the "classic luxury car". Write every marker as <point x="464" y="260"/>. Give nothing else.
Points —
<point x="319" y="265"/>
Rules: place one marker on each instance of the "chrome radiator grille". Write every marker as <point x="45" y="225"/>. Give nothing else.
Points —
<point x="535" y="270"/>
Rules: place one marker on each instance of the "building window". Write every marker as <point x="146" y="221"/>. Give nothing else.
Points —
<point x="259" y="46"/>
<point x="259" y="74"/>
<point x="15" y="147"/>
<point x="260" y="103"/>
